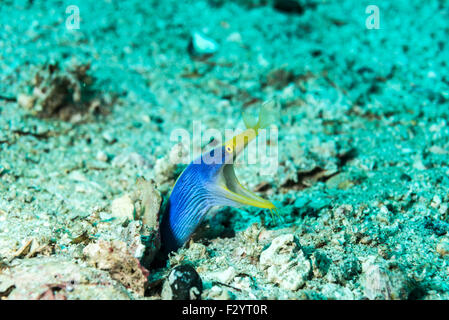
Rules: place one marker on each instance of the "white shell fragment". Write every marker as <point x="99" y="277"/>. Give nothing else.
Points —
<point x="202" y="45"/>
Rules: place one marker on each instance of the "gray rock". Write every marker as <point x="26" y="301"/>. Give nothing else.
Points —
<point x="285" y="263"/>
<point x="443" y="247"/>
<point x="58" y="278"/>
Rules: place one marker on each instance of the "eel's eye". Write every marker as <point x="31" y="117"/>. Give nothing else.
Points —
<point x="229" y="149"/>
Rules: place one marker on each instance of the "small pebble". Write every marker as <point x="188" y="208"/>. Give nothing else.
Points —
<point x="102" y="156"/>
<point x="225" y="276"/>
<point x="123" y="208"/>
<point x="183" y="283"/>
<point x="436" y="201"/>
<point x="234" y="37"/>
<point x="26" y="101"/>
<point x="202" y="45"/>
<point x="443" y="247"/>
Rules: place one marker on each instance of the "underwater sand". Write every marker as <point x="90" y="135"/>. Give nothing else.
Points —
<point x="362" y="183"/>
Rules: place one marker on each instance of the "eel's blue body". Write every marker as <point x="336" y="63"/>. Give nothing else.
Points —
<point x="189" y="201"/>
<point x="206" y="182"/>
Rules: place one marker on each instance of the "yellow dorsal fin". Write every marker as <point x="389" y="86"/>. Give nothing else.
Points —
<point x="267" y="116"/>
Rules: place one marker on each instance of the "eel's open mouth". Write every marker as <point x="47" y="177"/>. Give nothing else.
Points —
<point x="232" y="190"/>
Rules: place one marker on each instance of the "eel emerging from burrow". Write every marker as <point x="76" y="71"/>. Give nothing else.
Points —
<point x="208" y="182"/>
